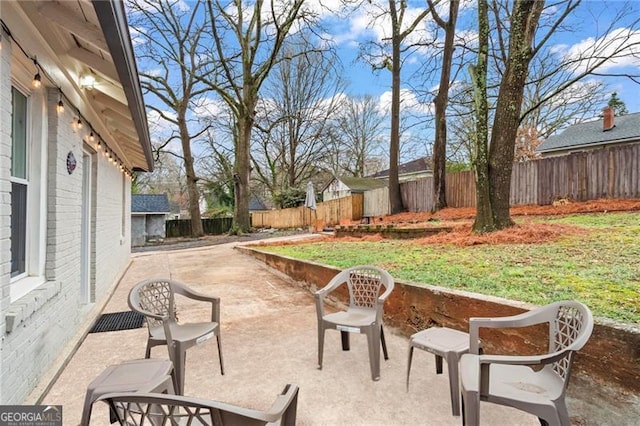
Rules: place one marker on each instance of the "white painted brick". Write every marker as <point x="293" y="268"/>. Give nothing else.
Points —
<point x="52" y="318"/>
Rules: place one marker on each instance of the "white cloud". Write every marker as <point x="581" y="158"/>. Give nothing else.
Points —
<point x="151" y="6"/>
<point x="371" y="21"/>
<point x="207" y="107"/>
<point x="159" y="123"/>
<point x="138" y="36"/>
<point x="408" y="102"/>
<point x="161" y="129"/>
<point x="577" y="92"/>
<point x="621" y="44"/>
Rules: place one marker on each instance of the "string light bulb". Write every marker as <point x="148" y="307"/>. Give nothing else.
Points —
<point x="37" y="80"/>
<point x="91" y="137"/>
<point x="99" y="144"/>
<point x="79" y="123"/>
<point x="60" y="107"/>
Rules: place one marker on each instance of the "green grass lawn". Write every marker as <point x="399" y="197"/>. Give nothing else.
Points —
<point x="600" y="268"/>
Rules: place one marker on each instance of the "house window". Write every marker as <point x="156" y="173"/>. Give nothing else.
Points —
<point x="19" y="183"/>
<point x="28" y="190"/>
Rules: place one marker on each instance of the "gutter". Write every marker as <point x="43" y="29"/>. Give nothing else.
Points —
<point x="113" y="21"/>
<point x="573" y="148"/>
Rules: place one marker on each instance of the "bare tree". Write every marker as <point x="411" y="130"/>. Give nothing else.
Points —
<point x="169" y="52"/>
<point x="513" y="52"/>
<point x="493" y="187"/>
<point x="292" y="118"/>
<point x="246" y="41"/>
<point x="356" y="140"/>
<point x="441" y="101"/>
<point x="479" y="80"/>
<point x="388" y="54"/>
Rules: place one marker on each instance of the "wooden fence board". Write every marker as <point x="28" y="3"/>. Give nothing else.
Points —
<point x="330" y="213"/>
<point x="211" y="226"/>
<point x="609" y="172"/>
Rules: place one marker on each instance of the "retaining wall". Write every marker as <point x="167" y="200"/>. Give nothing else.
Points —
<point x="605" y="382"/>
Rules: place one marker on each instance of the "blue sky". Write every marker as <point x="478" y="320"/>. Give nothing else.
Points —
<point x="584" y="28"/>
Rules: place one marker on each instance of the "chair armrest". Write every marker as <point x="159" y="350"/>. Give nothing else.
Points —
<point x="195" y="295"/>
<point x="185" y="291"/>
<point x="524" y="319"/>
<point x="283" y="408"/>
<point x="335" y="282"/>
<point x="383" y="296"/>
<point x="522" y="359"/>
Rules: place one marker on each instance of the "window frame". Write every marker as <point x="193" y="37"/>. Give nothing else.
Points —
<point x="22" y="181"/>
<point x="36" y="205"/>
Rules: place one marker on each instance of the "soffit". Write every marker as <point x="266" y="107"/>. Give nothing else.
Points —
<point x="72" y="31"/>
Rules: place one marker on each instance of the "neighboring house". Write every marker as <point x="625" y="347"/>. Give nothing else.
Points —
<point x="72" y="129"/>
<point x="148" y="216"/>
<point x="607" y="131"/>
<point x="412" y="170"/>
<point x="256" y="203"/>
<point x="344" y="186"/>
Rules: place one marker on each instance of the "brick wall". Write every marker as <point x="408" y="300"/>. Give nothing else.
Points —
<point x="5" y="185"/>
<point x="46" y="320"/>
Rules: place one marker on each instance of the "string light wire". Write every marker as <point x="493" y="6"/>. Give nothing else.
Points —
<point x="37" y="82"/>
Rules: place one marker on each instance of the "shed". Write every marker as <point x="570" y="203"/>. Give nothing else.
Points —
<point x="344" y="186"/>
<point x="148" y="216"/>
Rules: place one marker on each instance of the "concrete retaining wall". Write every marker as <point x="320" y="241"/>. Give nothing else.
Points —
<point x="605" y="382"/>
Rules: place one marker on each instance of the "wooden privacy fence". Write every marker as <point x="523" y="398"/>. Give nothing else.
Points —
<point x="211" y="226"/>
<point x="610" y="172"/>
<point x="328" y="213"/>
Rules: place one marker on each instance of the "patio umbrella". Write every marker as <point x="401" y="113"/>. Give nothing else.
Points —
<point x="310" y="201"/>
<point x="310" y="198"/>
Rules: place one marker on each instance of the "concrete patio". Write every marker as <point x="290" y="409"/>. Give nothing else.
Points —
<point x="268" y="340"/>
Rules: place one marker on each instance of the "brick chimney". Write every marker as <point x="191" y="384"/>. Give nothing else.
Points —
<point x="607" y="122"/>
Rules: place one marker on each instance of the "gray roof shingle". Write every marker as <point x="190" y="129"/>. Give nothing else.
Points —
<point x="422" y="164"/>
<point x="626" y="127"/>
<point x="149" y="203"/>
<point x="356" y="184"/>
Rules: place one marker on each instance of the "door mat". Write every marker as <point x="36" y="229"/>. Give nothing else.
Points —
<point x="116" y="321"/>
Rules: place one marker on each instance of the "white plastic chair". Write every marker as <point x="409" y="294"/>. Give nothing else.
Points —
<point x="155" y="299"/>
<point x="532" y="383"/>
<point x="364" y="314"/>
<point x="158" y="409"/>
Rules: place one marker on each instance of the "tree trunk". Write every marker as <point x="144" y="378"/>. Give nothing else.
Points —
<point x="192" y="187"/>
<point x="395" y="198"/>
<point x="241" y="176"/>
<point x="441" y="102"/>
<point x="484" y="216"/>
<point x="526" y="14"/>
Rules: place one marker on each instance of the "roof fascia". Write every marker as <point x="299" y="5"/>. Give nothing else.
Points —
<point x="113" y="21"/>
<point x="591" y="145"/>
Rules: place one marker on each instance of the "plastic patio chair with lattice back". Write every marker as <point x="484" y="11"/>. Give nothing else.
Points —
<point x="135" y="408"/>
<point x="532" y="383"/>
<point x="155" y="299"/>
<point x="363" y="315"/>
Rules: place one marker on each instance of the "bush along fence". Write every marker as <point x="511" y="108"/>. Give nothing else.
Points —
<point x="212" y="226"/>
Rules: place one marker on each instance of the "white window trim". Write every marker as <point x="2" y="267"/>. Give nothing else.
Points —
<point x="36" y="220"/>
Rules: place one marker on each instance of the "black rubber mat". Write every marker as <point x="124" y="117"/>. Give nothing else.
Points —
<point x="116" y="321"/>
